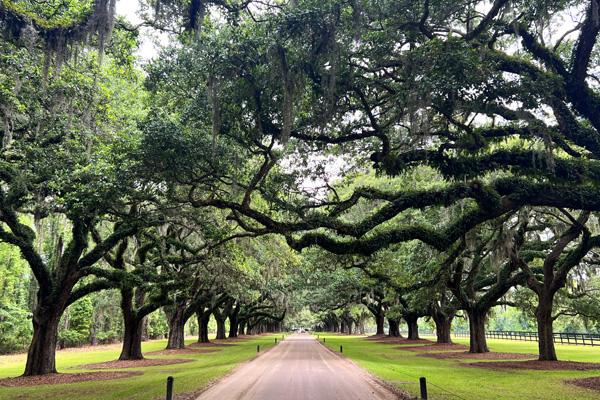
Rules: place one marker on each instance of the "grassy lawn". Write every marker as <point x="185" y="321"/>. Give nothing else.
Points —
<point x="189" y="377"/>
<point x="403" y="369"/>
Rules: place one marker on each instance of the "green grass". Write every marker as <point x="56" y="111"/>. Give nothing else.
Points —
<point x="401" y="368"/>
<point x="448" y="380"/>
<point x="189" y="377"/>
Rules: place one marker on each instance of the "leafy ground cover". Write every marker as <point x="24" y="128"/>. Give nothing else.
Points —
<point x="462" y="378"/>
<point x="145" y="382"/>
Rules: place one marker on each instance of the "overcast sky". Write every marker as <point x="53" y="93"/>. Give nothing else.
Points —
<point x="128" y="9"/>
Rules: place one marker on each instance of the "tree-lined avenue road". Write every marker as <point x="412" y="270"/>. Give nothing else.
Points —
<point x="298" y="368"/>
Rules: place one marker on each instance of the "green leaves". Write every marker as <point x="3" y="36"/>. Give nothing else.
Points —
<point x="15" y="328"/>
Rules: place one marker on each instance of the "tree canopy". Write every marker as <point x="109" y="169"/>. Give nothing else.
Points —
<point x="432" y="155"/>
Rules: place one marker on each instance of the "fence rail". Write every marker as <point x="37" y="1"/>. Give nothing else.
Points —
<point x="421" y="332"/>
<point x="580" y="339"/>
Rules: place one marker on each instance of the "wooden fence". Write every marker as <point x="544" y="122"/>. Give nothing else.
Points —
<point x="580" y="339"/>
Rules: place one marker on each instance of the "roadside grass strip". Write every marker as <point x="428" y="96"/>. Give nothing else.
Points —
<point x="190" y="377"/>
<point x="448" y="379"/>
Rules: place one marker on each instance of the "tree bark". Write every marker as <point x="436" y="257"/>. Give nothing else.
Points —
<point x="133" y="325"/>
<point x="221" y="317"/>
<point x="233" y="321"/>
<point x="132" y="339"/>
<point x="361" y="323"/>
<point x="220" y="326"/>
<point x="443" y="330"/>
<point x="478" y="343"/>
<point x="413" y="327"/>
<point x="380" y="321"/>
<point x="250" y="326"/>
<point x="543" y="314"/>
<point x="379" y="313"/>
<point x="233" y="327"/>
<point x="394" y="328"/>
<point x="203" y="319"/>
<point x="41" y="357"/>
<point x="176" y="327"/>
<point x="443" y="324"/>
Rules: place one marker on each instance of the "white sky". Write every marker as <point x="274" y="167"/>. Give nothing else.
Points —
<point x="128" y="9"/>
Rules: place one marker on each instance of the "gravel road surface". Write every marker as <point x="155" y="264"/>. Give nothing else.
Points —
<point x="298" y="368"/>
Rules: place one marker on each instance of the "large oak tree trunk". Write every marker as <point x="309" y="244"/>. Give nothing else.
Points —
<point x="380" y="321"/>
<point x="132" y="340"/>
<point x="233" y="321"/>
<point x="443" y="330"/>
<point x="413" y="326"/>
<point x="221" y="317"/>
<point x="133" y="324"/>
<point x="478" y="343"/>
<point x="394" y="327"/>
<point x="543" y="314"/>
<point x="233" y="327"/>
<point x="203" y="319"/>
<point x="443" y="325"/>
<point x="41" y="357"/>
<point x="220" y="326"/>
<point x="176" y="327"/>
<point x="132" y="337"/>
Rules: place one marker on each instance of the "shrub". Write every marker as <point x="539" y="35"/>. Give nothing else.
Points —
<point x="16" y="329"/>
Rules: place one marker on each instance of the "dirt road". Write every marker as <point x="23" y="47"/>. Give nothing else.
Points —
<point x="298" y="368"/>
